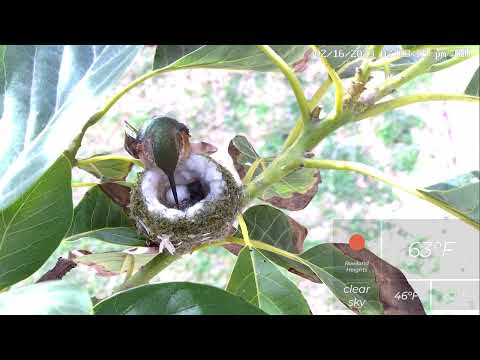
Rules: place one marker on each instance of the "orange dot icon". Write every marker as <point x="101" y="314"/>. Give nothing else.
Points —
<point x="356" y="242"/>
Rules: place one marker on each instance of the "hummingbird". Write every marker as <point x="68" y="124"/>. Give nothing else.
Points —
<point x="161" y="142"/>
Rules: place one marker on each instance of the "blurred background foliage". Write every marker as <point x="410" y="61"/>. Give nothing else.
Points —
<point x="217" y="105"/>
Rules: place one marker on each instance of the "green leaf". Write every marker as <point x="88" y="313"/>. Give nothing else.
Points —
<point x="115" y="262"/>
<point x="33" y="226"/>
<point x="111" y="167"/>
<point x="167" y="54"/>
<point x="47" y="94"/>
<point x="293" y="192"/>
<point x="473" y="87"/>
<point x="238" y="57"/>
<point x="259" y="281"/>
<point x="98" y="216"/>
<point x="48" y="298"/>
<point x="329" y="265"/>
<point x="272" y="226"/>
<point x="115" y="235"/>
<point x="175" y="298"/>
<point x="461" y="193"/>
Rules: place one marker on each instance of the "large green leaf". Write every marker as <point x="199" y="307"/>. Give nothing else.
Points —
<point x="47" y="94"/>
<point x="461" y="193"/>
<point x="237" y="57"/>
<point x="167" y="54"/>
<point x="32" y="227"/>
<point x="329" y="265"/>
<point x="115" y="235"/>
<point x="259" y="281"/>
<point x="176" y="298"/>
<point x="107" y="167"/>
<point x="48" y="298"/>
<point x="272" y="226"/>
<point x="293" y="192"/>
<point x="473" y="87"/>
<point x="98" y="216"/>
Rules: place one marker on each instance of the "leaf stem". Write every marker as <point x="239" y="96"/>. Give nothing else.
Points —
<point x="448" y="63"/>
<point x="378" y="175"/>
<point x="390" y="105"/>
<point x="408" y="74"/>
<point x="292" y="79"/>
<point x="149" y="270"/>
<point x="243" y="227"/>
<point x="336" y="81"/>
<point x="83" y="184"/>
<point x="93" y="159"/>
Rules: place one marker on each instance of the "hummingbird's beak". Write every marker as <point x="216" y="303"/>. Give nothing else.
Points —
<point x="173" y="186"/>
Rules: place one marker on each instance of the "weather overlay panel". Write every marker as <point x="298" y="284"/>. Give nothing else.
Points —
<point x="439" y="258"/>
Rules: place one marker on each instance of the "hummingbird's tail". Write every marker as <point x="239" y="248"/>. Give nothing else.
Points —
<point x="174" y="189"/>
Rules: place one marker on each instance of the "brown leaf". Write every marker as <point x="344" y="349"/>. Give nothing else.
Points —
<point x="233" y="248"/>
<point x="243" y="153"/>
<point x="296" y="201"/>
<point x="314" y="279"/>
<point x="301" y="65"/>
<point x="390" y="281"/>
<point x="76" y="253"/>
<point x="61" y="268"/>
<point x="235" y="154"/>
<point x="130" y="145"/>
<point x="299" y="234"/>
<point x="118" y="193"/>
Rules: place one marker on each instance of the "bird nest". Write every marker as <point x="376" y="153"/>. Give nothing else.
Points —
<point x="209" y="200"/>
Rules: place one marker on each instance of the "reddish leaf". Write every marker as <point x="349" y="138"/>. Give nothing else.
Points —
<point x="118" y="193"/>
<point x="296" y="201"/>
<point x="293" y="192"/>
<point x="301" y="65"/>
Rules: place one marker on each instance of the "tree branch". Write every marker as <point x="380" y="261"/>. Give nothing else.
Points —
<point x="321" y="91"/>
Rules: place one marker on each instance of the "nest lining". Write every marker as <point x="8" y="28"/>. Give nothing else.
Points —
<point x="196" y="170"/>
